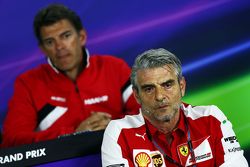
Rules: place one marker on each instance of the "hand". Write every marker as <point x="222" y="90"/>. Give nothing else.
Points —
<point x="96" y="121"/>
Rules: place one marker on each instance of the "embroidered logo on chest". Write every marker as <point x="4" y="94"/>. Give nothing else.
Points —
<point x="95" y="100"/>
<point x="202" y="151"/>
<point x="184" y="150"/>
<point x="157" y="160"/>
<point x="56" y="98"/>
<point x="142" y="159"/>
<point x="147" y="158"/>
<point x="142" y="136"/>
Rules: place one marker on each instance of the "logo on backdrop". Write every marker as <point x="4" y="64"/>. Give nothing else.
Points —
<point x="22" y="156"/>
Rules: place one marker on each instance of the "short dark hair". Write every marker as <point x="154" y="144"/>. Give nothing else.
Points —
<point x="52" y="14"/>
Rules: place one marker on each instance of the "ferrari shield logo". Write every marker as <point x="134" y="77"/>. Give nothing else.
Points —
<point x="184" y="150"/>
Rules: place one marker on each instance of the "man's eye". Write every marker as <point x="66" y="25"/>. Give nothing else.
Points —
<point x="67" y="35"/>
<point x="48" y="43"/>
<point x="167" y="85"/>
<point x="149" y="89"/>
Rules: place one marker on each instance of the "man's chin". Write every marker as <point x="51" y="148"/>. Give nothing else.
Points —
<point x="64" y="68"/>
<point x="165" y="118"/>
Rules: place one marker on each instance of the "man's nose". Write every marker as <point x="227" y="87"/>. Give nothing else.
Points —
<point x="59" y="45"/>
<point x="160" y="94"/>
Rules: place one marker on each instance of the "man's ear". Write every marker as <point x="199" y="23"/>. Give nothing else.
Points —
<point x="182" y="86"/>
<point x="136" y="95"/>
<point x="43" y="49"/>
<point x="83" y="37"/>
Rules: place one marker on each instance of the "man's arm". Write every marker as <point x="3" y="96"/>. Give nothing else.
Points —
<point x="112" y="153"/>
<point x="96" y="121"/>
<point x="228" y="151"/>
<point x="21" y="121"/>
<point x="130" y="104"/>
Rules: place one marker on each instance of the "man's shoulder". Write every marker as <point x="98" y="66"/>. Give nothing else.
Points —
<point x="35" y="72"/>
<point x="106" y="59"/>
<point x="196" y="112"/>
<point x="127" y="122"/>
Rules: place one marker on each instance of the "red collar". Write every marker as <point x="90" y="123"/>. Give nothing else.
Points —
<point x="85" y="60"/>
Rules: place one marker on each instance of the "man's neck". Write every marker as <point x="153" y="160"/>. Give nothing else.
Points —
<point x="168" y="127"/>
<point x="74" y="73"/>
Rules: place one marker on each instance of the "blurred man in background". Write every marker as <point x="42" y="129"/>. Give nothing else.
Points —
<point x="74" y="92"/>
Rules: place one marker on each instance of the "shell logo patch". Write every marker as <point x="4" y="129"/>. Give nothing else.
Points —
<point x="184" y="150"/>
<point x="142" y="159"/>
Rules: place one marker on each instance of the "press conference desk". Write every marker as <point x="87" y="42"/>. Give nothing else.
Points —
<point x="75" y="150"/>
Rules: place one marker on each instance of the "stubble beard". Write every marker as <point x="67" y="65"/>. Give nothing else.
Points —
<point x="163" y="118"/>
